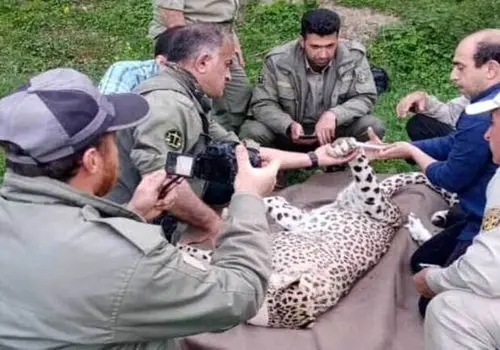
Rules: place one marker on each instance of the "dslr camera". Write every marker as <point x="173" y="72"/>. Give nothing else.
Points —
<point x="217" y="163"/>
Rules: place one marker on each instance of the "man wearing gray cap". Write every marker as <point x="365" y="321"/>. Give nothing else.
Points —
<point x="465" y="309"/>
<point x="82" y="272"/>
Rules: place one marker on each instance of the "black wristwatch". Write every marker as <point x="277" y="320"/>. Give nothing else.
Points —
<point x="314" y="159"/>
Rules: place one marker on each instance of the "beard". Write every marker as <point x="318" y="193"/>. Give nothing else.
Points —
<point x="108" y="180"/>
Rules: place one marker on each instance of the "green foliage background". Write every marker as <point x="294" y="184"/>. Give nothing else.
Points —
<point x="89" y="35"/>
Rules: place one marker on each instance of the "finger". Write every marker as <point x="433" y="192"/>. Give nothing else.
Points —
<point x="328" y="135"/>
<point x="242" y="157"/>
<point x="372" y="136"/>
<point x="273" y="167"/>
<point x="421" y="105"/>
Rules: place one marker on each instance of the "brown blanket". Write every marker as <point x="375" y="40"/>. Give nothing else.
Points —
<point x="380" y="312"/>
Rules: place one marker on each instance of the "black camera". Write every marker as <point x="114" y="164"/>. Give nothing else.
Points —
<point x="217" y="163"/>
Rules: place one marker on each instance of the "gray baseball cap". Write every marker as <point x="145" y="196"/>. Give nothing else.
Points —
<point x="59" y="112"/>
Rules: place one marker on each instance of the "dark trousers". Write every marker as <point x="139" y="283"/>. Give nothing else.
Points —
<point x="442" y="249"/>
<point x="421" y="127"/>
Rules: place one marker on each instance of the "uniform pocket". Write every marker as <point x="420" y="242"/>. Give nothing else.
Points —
<point x="287" y="97"/>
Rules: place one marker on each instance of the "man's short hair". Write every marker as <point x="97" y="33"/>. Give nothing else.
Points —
<point x="486" y="51"/>
<point x="190" y="40"/>
<point x="61" y="169"/>
<point x="321" y="22"/>
<point x="164" y="41"/>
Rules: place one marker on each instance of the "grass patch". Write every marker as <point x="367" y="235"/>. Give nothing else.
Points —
<point x="89" y="35"/>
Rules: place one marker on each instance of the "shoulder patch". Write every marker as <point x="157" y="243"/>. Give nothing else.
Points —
<point x="174" y="139"/>
<point x="260" y="79"/>
<point x="491" y="219"/>
<point x="362" y="76"/>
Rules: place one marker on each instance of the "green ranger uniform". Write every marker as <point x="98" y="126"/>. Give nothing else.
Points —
<point x="95" y="276"/>
<point x="231" y="109"/>
<point x="289" y="90"/>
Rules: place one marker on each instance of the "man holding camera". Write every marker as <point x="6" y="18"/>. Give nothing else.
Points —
<point x="313" y="90"/>
<point x="199" y="64"/>
<point x="82" y="272"/>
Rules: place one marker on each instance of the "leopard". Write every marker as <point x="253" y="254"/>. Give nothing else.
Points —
<point x="319" y="254"/>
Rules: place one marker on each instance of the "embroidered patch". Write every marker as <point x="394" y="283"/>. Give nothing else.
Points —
<point x="260" y="79"/>
<point x="491" y="219"/>
<point x="362" y="77"/>
<point x="174" y="139"/>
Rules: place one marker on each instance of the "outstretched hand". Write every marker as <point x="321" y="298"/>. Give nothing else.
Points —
<point x="258" y="181"/>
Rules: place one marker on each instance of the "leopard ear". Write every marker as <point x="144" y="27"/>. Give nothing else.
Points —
<point x="284" y="280"/>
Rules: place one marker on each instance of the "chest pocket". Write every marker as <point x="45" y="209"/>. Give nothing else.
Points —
<point x="287" y="97"/>
<point x="346" y="87"/>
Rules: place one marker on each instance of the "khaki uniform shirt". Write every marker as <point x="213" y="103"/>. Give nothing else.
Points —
<point x="316" y="86"/>
<point x="211" y="11"/>
<point x="80" y="272"/>
<point x="180" y="121"/>
<point x="281" y="93"/>
<point x="477" y="270"/>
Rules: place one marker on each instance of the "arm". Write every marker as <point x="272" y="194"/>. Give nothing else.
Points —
<point x="447" y="113"/>
<point x="466" y="160"/>
<point x="265" y="102"/>
<point x="361" y="97"/>
<point x="218" y="133"/>
<point x="171" y="12"/>
<point x="438" y="148"/>
<point x="185" y="298"/>
<point x="170" y="111"/>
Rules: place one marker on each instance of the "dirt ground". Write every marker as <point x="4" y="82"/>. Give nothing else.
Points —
<point x="360" y="24"/>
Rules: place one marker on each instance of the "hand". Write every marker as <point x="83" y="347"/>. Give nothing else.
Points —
<point x="145" y="200"/>
<point x="325" y="159"/>
<point x="421" y="284"/>
<point x="373" y="139"/>
<point x="237" y="50"/>
<point x="258" y="181"/>
<point x="416" y="99"/>
<point x="295" y="132"/>
<point x="325" y="128"/>
<point x="396" y="150"/>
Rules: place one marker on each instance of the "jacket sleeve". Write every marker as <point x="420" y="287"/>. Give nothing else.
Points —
<point x="265" y="102"/>
<point x="447" y="113"/>
<point x="170" y="111"/>
<point x="170" y="4"/>
<point x="467" y="159"/>
<point x="170" y="296"/>
<point x="361" y="97"/>
<point x="438" y="147"/>
<point x="477" y="270"/>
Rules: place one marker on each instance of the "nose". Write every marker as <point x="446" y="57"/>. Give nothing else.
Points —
<point x="323" y="54"/>
<point x="487" y="134"/>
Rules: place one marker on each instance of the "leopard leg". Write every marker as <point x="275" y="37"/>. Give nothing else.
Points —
<point x="283" y="213"/>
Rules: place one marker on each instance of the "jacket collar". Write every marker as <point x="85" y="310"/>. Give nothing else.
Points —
<point x="486" y="93"/>
<point x="43" y="190"/>
<point x="342" y="61"/>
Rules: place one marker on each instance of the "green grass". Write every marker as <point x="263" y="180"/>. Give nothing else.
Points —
<point x="89" y="35"/>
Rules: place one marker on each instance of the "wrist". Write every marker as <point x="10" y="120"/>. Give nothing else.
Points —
<point x="313" y="157"/>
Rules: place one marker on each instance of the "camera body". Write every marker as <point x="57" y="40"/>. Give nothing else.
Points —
<point x="217" y="163"/>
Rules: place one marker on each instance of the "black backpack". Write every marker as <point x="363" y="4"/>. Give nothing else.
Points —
<point x="381" y="79"/>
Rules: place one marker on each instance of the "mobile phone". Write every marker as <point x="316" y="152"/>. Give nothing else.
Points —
<point x="308" y="137"/>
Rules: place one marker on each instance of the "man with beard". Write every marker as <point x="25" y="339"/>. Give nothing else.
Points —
<point x="313" y="90"/>
<point x="81" y="272"/>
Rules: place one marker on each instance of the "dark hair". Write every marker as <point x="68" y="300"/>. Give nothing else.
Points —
<point x="164" y="41"/>
<point x="62" y="169"/>
<point x="321" y="22"/>
<point x="190" y="40"/>
<point x="486" y="51"/>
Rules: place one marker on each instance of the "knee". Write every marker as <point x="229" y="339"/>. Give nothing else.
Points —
<point x="254" y="130"/>
<point x="373" y="122"/>
<point x="414" y="126"/>
<point x="445" y="305"/>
